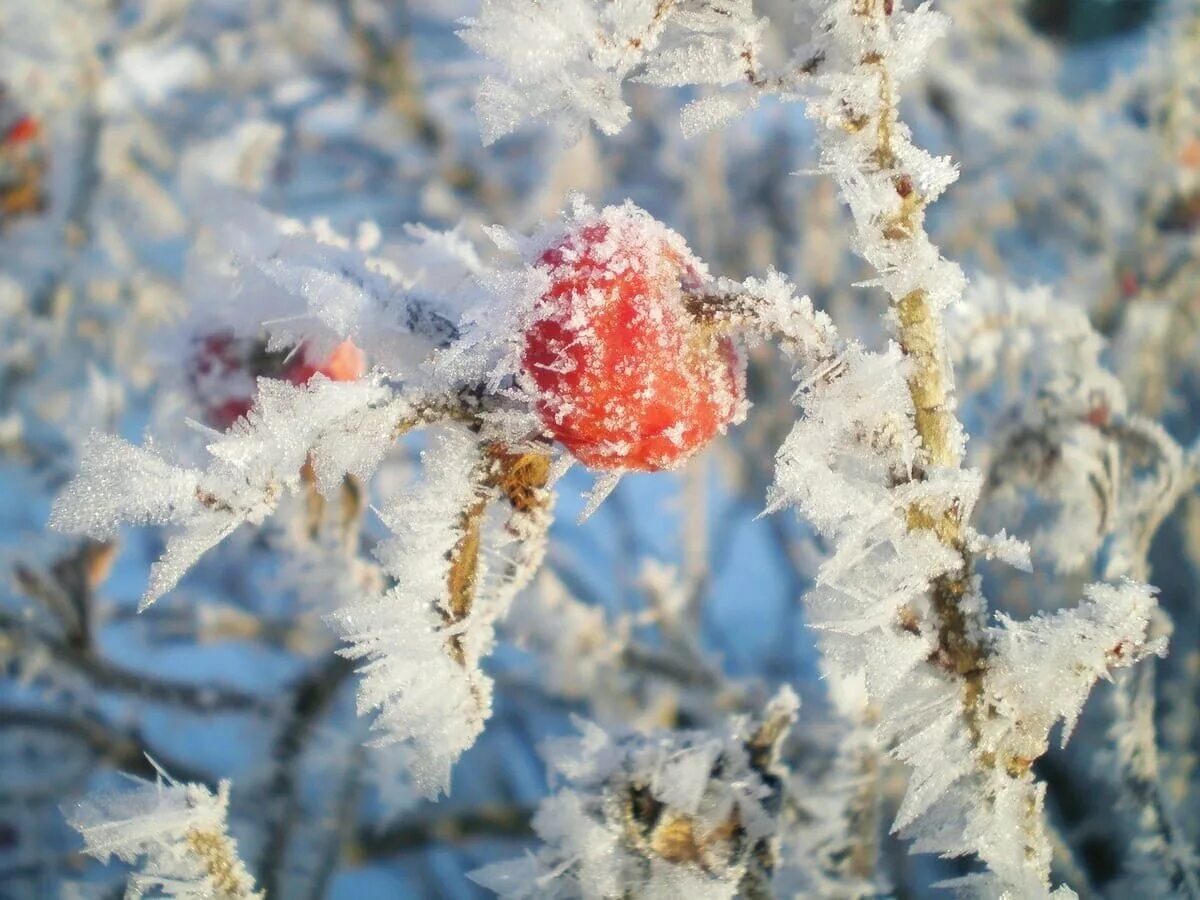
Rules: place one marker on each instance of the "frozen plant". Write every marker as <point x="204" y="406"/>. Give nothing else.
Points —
<point x="379" y="422"/>
<point x="657" y="815"/>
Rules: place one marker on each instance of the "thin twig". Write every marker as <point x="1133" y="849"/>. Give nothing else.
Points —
<point x="105" y="675"/>
<point x="485" y="822"/>
<point x="311" y="696"/>
<point x="128" y="751"/>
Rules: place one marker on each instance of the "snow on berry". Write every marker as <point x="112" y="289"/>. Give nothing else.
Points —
<point x="626" y="378"/>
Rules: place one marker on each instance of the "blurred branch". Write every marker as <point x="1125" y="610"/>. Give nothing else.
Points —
<point x="125" y="750"/>
<point x="76" y="230"/>
<point x="495" y="822"/>
<point x="311" y="696"/>
<point x="22" y="637"/>
<point x="345" y="819"/>
<point x="68" y="590"/>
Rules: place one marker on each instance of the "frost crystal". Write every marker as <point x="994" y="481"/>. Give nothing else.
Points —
<point x="309" y="283"/>
<point x="875" y="464"/>
<point x="1046" y="666"/>
<point x="423" y="692"/>
<point x="176" y="834"/>
<point x="567" y="62"/>
<point x="1068" y="466"/>
<point x="670" y="814"/>
<point x="344" y="426"/>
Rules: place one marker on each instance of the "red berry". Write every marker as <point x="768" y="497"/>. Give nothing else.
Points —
<point x="223" y="370"/>
<point x="227" y="412"/>
<point x="22" y="131"/>
<point x="625" y="377"/>
<point x="220" y="376"/>
<point x="344" y="363"/>
<point x="1189" y="157"/>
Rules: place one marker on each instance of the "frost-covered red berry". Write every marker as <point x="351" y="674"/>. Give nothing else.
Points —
<point x="626" y="379"/>
<point x="223" y="370"/>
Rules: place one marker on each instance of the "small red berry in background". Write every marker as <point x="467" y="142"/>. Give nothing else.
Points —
<point x="22" y="131"/>
<point x="223" y="370"/>
<point x="1098" y="416"/>
<point x="1129" y="284"/>
<point x="220" y="372"/>
<point x="626" y="379"/>
<point x="224" y="414"/>
<point x="22" y="165"/>
<point x="1189" y="157"/>
<point x="344" y="363"/>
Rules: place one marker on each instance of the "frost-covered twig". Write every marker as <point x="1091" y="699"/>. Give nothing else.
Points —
<point x="1107" y="476"/>
<point x="176" y="833"/>
<point x="424" y="639"/>
<point x="588" y="50"/>
<point x="691" y="813"/>
<point x="343" y="427"/>
<point x="442" y="610"/>
<point x="969" y="721"/>
<point x="1071" y="433"/>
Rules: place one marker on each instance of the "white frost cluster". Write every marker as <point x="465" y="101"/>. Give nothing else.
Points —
<point x="176" y="834"/>
<point x="1062" y="449"/>
<point x="420" y="692"/>
<point x="344" y="426"/>
<point x="1046" y="666"/>
<point x="670" y="814"/>
<point x="567" y="62"/>
<point x="421" y="672"/>
<point x="261" y="274"/>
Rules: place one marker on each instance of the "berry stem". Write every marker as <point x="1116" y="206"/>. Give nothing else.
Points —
<point x="520" y="479"/>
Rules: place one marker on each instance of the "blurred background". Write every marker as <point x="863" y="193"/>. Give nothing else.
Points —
<point x="1076" y="125"/>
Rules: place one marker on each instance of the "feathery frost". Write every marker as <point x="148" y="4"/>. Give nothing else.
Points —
<point x="419" y="690"/>
<point x="344" y="426"/>
<point x="294" y="282"/>
<point x="567" y="62"/>
<point x="176" y="835"/>
<point x="660" y="815"/>
<point x="874" y="463"/>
